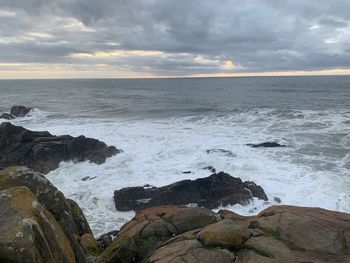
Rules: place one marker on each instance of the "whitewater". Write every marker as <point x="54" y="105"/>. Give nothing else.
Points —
<point x="312" y="170"/>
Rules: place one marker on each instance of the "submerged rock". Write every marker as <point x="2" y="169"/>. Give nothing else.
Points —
<point x="211" y="192"/>
<point x="266" y="145"/>
<point x="222" y="151"/>
<point x="43" y="152"/>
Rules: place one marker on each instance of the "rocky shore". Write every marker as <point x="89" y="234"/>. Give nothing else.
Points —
<point x="39" y="224"/>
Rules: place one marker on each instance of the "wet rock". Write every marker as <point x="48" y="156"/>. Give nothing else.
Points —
<point x="7" y="116"/>
<point x="266" y="145"/>
<point x="210" y="168"/>
<point x="43" y="152"/>
<point x="277" y="199"/>
<point x="222" y="151"/>
<point x="20" y="111"/>
<point x="211" y="192"/>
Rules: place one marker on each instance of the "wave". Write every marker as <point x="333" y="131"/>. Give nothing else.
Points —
<point x="313" y="170"/>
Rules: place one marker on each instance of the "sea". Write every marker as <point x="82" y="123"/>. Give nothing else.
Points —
<point x="166" y="126"/>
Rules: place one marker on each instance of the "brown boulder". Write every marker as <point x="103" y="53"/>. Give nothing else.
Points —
<point x="312" y="229"/>
<point x="29" y="233"/>
<point x="66" y="212"/>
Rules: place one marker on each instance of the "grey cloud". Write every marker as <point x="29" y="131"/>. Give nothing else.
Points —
<point x="260" y="35"/>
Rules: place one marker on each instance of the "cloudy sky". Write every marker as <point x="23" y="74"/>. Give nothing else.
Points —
<point x="146" y="38"/>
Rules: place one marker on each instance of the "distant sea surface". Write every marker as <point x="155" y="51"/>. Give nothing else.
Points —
<point x="166" y="126"/>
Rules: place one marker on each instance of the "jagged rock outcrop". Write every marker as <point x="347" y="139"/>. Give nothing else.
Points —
<point x="211" y="192"/>
<point x="43" y="152"/>
<point x="16" y="111"/>
<point x="278" y="234"/>
<point x="52" y="219"/>
<point x="20" y="111"/>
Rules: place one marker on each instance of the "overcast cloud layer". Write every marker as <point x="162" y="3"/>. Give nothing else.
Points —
<point x="174" y="37"/>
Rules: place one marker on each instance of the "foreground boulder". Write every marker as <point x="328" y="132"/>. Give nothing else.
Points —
<point x="36" y="216"/>
<point x="211" y="192"/>
<point x="278" y="234"/>
<point x="43" y="152"/>
<point x="16" y="111"/>
<point x="29" y="233"/>
<point x="152" y="227"/>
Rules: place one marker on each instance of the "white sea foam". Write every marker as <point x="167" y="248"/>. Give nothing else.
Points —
<point x="313" y="170"/>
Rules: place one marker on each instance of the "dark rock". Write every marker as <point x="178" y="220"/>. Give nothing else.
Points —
<point x="20" y="111"/>
<point x="266" y="145"/>
<point x="187" y="172"/>
<point x="106" y="239"/>
<point x="256" y="190"/>
<point x="210" y="168"/>
<point x="85" y="178"/>
<point x="43" y="152"/>
<point x="277" y="199"/>
<point x="225" y="152"/>
<point x="7" y="116"/>
<point x="211" y="192"/>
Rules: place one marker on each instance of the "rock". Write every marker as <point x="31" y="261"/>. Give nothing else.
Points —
<point x="224" y="233"/>
<point x="43" y="152"/>
<point x="311" y="229"/>
<point x="20" y="111"/>
<point x="79" y="218"/>
<point x="277" y="199"/>
<point x="29" y="233"/>
<point x="278" y="234"/>
<point x="187" y="172"/>
<point x="266" y="145"/>
<point x="222" y="151"/>
<point x="152" y="226"/>
<point x="190" y="251"/>
<point x="7" y="116"/>
<point x="66" y="212"/>
<point x="89" y="244"/>
<point x="106" y="239"/>
<point x="211" y="192"/>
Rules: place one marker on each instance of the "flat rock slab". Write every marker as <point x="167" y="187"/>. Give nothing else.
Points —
<point x="210" y="192"/>
<point x="43" y="152"/>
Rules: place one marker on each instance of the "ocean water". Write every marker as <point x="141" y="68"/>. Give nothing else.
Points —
<point x="165" y="126"/>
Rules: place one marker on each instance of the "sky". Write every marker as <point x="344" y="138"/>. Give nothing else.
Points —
<point x="173" y="38"/>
